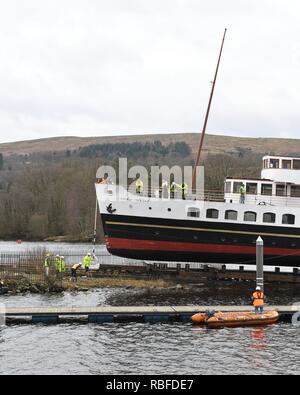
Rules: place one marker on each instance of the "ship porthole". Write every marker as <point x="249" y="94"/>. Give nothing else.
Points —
<point x="169" y="209"/>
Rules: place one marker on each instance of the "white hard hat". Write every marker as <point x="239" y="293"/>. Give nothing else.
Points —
<point x="62" y="257"/>
<point x="57" y="256"/>
<point x="258" y="288"/>
<point x="89" y="254"/>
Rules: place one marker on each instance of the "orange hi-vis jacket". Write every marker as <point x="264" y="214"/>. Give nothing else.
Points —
<point x="258" y="299"/>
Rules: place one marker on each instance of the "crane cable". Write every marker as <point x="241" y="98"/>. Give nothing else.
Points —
<point x="95" y="232"/>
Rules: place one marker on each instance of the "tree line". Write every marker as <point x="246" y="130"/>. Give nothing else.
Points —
<point x="57" y="198"/>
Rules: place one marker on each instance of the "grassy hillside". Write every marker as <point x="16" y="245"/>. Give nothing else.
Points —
<point x="214" y="144"/>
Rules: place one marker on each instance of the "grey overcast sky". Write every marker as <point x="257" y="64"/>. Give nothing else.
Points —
<point x="112" y="67"/>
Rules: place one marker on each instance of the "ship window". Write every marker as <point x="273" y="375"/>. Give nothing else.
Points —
<point x="270" y="218"/>
<point x="193" y="212"/>
<point x="265" y="163"/>
<point x="281" y="190"/>
<point x="237" y="187"/>
<point x="274" y="163"/>
<point x="295" y="190"/>
<point x="288" y="219"/>
<point x="231" y="215"/>
<point x="296" y="164"/>
<point x="212" y="214"/>
<point x="228" y="187"/>
<point x="267" y="189"/>
<point x="286" y="164"/>
<point x="250" y="216"/>
<point x="251" y="188"/>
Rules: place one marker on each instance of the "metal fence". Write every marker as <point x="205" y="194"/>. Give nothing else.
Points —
<point x="30" y="266"/>
<point x="18" y="267"/>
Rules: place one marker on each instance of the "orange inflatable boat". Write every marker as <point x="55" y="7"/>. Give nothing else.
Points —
<point x="234" y="320"/>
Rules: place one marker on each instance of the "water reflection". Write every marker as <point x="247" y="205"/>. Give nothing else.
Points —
<point x="258" y="337"/>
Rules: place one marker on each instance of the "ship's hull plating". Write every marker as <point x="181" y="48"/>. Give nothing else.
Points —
<point x="158" y="239"/>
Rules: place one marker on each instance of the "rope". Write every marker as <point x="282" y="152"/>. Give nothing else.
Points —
<point x="95" y="229"/>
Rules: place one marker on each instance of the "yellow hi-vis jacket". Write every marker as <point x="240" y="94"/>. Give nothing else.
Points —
<point x="87" y="261"/>
<point x="139" y="185"/>
<point x="243" y="191"/>
<point x="184" y="188"/>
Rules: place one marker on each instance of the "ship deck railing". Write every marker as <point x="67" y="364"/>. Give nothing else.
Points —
<point x="214" y="196"/>
<point x="211" y="196"/>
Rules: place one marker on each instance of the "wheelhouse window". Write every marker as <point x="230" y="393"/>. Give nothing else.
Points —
<point x="231" y="215"/>
<point x="281" y="190"/>
<point x="237" y="187"/>
<point x="267" y="189"/>
<point x="296" y="164"/>
<point x="295" y="191"/>
<point x="228" y="187"/>
<point x="269" y="218"/>
<point x="250" y="216"/>
<point x="274" y="163"/>
<point x="193" y="212"/>
<point x="288" y="219"/>
<point x="251" y="188"/>
<point x="287" y="164"/>
<point x="212" y="214"/>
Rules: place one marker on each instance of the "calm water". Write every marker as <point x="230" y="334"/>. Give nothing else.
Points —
<point x="142" y="348"/>
<point x="150" y="349"/>
<point x="57" y="248"/>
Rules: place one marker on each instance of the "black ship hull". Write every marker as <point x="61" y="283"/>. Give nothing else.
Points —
<point x="157" y="239"/>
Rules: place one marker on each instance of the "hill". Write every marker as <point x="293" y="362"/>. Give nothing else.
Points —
<point x="214" y="144"/>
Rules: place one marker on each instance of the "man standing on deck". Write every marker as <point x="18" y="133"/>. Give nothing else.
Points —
<point x="259" y="301"/>
<point x="173" y="190"/>
<point x="243" y="194"/>
<point x="139" y="186"/>
<point x="165" y="189"/>
<point x="184" y="190"/>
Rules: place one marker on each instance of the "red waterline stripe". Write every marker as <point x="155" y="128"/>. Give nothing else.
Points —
<point x="153" y="245"/>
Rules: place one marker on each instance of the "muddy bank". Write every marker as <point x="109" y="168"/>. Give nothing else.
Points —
<point x="83" y="285"/>
<point x="24" y="286"/>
